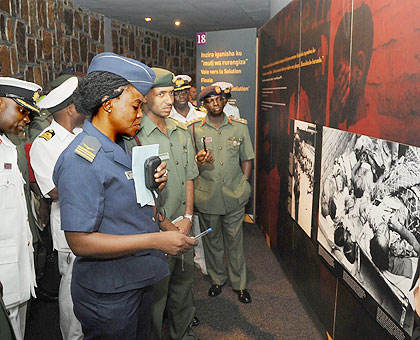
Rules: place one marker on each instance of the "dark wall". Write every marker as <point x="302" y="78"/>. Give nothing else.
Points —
<point x="352" y="66"/>
<point x="40" y="38"/>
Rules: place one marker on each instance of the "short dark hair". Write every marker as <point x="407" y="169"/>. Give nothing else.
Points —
<point x="358" y="187"/>
<point x="332" y="208"/>
<point x="350" y="251"/>
<point x="339" y="236"/>
<point x="88" y="97"/>
<point x="379" y="253"/>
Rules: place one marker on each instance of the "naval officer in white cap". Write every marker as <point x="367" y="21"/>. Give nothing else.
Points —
<point x="17" y="274"/>
<point x="229" y="109"/>
<point x="182" y="110"/>
<point x="45" y="150"/>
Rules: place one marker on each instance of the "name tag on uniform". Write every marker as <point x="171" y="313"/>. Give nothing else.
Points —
<point x="164" y="156"/>
<point x="7" y="166"/>
<point x="208" y="139"/>
<point x="129" y="174"/>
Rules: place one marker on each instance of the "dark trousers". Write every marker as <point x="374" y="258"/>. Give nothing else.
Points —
<point x="110" y="316"/>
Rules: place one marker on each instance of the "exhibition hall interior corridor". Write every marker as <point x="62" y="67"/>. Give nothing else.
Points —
<point x="308" y="114"/>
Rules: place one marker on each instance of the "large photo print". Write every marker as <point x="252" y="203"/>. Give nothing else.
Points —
<point x="302" y="176"/>
<point x="276" y="89"/>
<point x="369" y="216"/>
<point x="373" y="75"/>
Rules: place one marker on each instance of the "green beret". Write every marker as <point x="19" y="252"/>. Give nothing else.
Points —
<point x="164" y="78"/>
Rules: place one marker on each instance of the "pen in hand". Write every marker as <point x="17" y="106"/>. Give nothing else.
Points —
<point x="203" y="140"/>
<point x="202" y="234"/>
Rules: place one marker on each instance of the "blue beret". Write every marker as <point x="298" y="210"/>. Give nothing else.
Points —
<point x="135" y="72"/>
<point x="210" y="91"/>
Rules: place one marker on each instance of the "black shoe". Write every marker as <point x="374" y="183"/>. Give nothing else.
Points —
<point x="215" y="290"/>
<point x="195" y="322"/>
<point x="243" y="295"/>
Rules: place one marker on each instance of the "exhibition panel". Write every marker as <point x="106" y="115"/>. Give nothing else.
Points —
<point x="338" y="174"/>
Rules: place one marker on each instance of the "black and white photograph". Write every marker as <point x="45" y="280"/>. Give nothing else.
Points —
<point x="369" y="216"/>
<point x="302" y="177"/>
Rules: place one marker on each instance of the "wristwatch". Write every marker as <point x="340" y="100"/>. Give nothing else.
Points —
<point x="189" y="217"/>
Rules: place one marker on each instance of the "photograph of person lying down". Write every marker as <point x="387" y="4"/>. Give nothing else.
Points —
<point x="369" y="216"/>
<point x="303" y="174"/>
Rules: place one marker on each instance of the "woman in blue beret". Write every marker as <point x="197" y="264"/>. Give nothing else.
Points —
<point x="120" y="253"/>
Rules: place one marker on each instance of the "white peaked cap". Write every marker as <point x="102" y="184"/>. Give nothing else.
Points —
<point x="60" y="97"/>
<point x="223" y="85"/>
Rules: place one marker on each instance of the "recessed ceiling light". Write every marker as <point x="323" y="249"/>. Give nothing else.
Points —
<point x="177" y="23"/>
<point x="148" y="19"/>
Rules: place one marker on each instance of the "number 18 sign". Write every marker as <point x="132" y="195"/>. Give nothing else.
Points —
<point x="201" y="38"/>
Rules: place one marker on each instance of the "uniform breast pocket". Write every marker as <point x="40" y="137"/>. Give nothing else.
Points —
<point x="9" y="189"/>
<point x="233" y="143"/>
<point x="205" y="141"/>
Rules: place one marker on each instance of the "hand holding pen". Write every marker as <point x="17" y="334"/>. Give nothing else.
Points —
<point x="204" y="155"/>
<point x="205" y="232"/>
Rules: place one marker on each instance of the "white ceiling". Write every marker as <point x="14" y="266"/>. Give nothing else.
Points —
<point x="195" y="15"/>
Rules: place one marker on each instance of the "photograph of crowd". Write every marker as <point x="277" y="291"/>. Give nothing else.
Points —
<point x="369" y="216"/>
<point x="302" y="175"/>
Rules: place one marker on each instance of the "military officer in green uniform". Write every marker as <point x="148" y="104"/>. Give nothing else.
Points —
<point x="177" y="200"/>
<point x="38" y="124"/>
<point x="222" y="190"/>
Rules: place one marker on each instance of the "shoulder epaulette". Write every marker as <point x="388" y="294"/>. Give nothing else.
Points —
<point x="179" y="124"/>
<point x="240" y="120"/>
<point x="88" y="148"/>
<point x="47" y="135"/>
<point x="202" y="109"/>
<point x="195" y="120"/>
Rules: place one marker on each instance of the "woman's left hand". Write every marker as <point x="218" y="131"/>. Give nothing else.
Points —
<point x="161" y="175"/>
